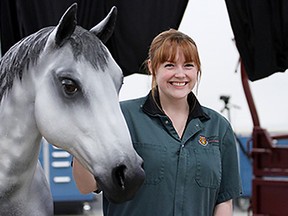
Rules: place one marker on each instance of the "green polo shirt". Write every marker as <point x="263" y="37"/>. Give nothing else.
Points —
<point x="185" y="176"/>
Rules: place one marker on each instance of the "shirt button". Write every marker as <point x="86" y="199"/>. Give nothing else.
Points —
<point x="166" y="122"/>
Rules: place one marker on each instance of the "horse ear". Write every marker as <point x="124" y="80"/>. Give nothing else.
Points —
<point x="67" y="25"/>
<point x="105" y="28"/>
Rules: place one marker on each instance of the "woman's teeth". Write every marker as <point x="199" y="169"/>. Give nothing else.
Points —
<point x="178" y="83"/>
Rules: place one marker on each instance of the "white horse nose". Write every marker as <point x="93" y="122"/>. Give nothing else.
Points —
<point x="122" y="177"/>
<point x="127" y="178"/>
<point x="118" y="175"/>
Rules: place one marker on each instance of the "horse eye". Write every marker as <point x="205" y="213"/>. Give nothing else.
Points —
<point x="69" y="86"/>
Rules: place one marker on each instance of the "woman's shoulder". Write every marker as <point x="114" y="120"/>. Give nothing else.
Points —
<point x="136" y="102"/>
<point x="213" y="114"/>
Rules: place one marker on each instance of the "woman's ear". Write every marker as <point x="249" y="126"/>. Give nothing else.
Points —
<point x="149" y="64"/>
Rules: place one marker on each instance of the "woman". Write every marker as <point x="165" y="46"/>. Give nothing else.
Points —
<point x="189" y="151"/>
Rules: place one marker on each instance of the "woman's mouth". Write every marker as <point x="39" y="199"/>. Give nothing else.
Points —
<point x="178" y="83"/>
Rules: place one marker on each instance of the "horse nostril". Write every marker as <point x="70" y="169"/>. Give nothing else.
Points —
<point x="119" y="176"/>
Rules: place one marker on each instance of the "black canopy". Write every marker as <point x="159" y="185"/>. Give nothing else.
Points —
<point x="261" y="33"/>
<point x="138" y="22"/>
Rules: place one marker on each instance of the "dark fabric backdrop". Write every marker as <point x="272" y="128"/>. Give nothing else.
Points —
<point x="138" y="22"/>
<point x="261" y="33"/>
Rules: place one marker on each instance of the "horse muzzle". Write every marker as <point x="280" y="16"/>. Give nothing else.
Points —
<point x="125" y="181"/>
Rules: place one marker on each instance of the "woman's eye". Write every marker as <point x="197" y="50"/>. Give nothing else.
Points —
<point x="69" y="86"/>
<point x="189" y="65"/>
<point x="168" y="65"/>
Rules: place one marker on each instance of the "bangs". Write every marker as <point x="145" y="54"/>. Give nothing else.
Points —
<point x="169" y="50"/>
<point x="164" y="48"/>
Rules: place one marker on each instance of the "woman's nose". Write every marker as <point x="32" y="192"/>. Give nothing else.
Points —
<point x="180" y="72"/>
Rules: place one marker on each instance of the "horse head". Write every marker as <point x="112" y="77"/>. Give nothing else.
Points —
<point x="77" y="107"/>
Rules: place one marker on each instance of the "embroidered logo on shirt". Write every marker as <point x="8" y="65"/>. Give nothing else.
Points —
<point x="203" y="141"/>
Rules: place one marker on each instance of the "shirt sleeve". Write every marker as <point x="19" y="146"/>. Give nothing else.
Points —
<point x="230" y="186"/>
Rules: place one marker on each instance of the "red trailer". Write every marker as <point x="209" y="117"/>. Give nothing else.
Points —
<point x="270" y="164"/>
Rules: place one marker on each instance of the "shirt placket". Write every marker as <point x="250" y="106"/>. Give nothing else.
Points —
<point x="183" y="177"/>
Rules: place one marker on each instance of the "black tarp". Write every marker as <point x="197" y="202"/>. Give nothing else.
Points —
<point x="261" y="33"/>
<point x="138" y="22"/>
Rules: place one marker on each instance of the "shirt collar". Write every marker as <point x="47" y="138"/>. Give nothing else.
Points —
<point x="153" y="107"/>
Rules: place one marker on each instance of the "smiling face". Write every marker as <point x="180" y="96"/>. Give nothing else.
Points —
<point x="174" y="64"/>
<point x="176" y="78"/>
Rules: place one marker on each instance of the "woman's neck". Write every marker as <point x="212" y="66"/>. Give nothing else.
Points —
<point x="177" y="111"/>
<point x="172" y="105"/>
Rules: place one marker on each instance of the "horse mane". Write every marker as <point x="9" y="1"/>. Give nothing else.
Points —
<point x="25" y="53"/>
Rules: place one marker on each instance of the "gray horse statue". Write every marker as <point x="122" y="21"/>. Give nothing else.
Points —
<point x="61" y="83"/>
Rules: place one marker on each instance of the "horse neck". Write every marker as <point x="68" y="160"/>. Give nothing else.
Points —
<point x="19" y="137"/>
